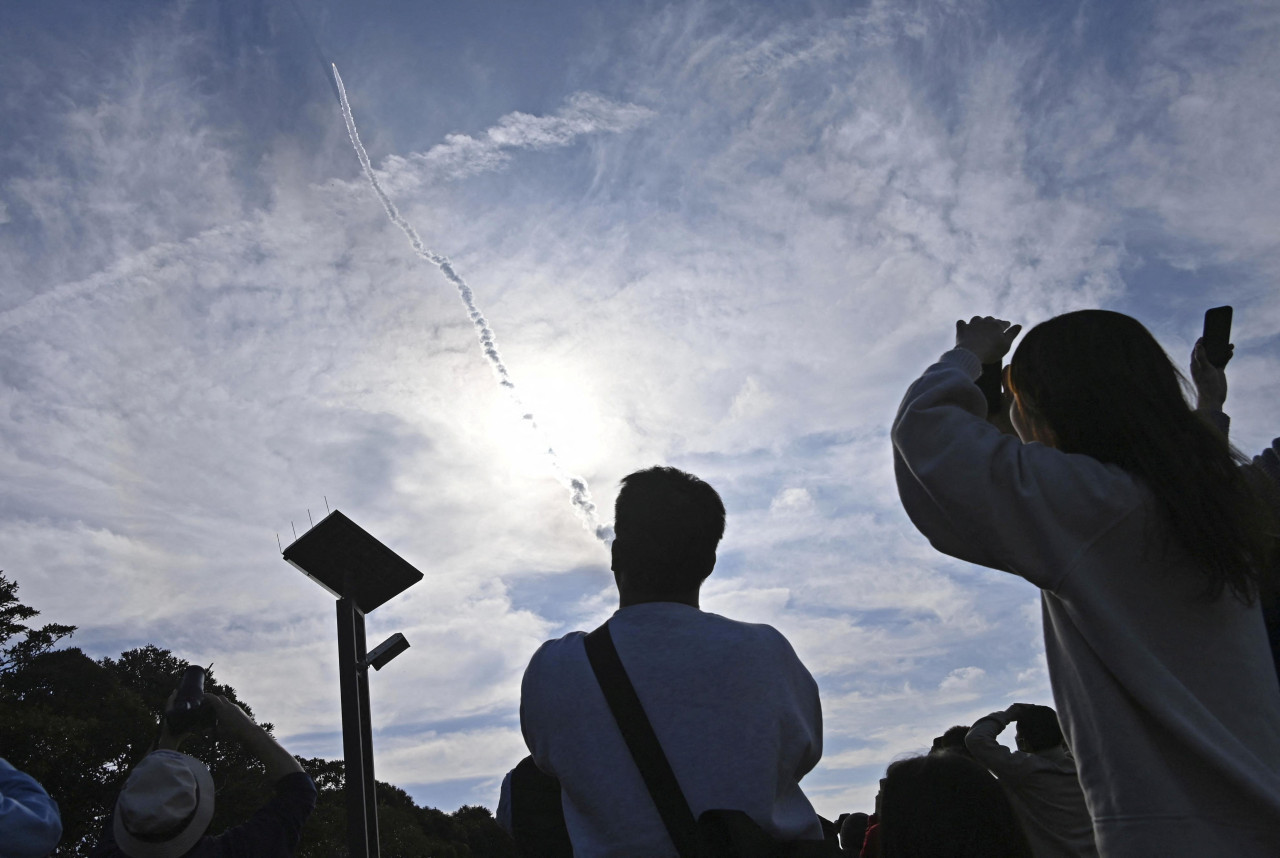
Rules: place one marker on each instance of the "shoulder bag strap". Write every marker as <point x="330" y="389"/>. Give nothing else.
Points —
<point x="638" y="733"/>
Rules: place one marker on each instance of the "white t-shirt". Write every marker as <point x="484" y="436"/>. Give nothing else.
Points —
<point x="735" y="711"/>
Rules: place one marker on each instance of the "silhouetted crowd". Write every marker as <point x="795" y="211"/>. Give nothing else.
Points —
<point x="1081" y="468"/>
<point x="970" y="795"/>
<point x="671" y="731"/>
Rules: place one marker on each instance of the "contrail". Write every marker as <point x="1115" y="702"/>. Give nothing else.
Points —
<point x="579" y="493"/>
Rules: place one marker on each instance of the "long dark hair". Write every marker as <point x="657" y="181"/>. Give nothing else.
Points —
<point x="1102" y="386"/>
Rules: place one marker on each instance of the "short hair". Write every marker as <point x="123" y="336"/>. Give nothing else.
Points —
<point x="671" y="522"/>
<point x="1038" y="726"/>
<point x="947" y="805"/>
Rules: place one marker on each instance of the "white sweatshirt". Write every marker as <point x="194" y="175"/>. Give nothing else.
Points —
<point x="1170" y="704"/>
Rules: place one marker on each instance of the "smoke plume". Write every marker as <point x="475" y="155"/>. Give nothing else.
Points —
<point x="579" y="493"/>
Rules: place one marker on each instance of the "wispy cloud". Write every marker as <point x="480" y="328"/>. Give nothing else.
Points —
<point x="461" y="155"/>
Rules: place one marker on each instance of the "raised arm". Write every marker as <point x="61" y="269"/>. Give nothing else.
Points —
<point x="986" y="748"/>
<point x="236" y="723"/>
<point x="985" y="497"/>
<point x="1211" y="387"/>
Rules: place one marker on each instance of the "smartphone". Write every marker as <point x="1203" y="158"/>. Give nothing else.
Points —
<point x="1217" y="335"/>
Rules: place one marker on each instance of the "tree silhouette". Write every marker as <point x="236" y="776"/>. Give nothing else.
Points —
<point x="15" y="653"/>
<point x="78" y="726"/>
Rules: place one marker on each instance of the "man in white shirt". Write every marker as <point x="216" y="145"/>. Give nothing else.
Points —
<point x="736" y="713"/>
<point x="1039" y="778"/>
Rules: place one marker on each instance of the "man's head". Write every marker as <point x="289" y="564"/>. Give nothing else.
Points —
<point x="165" y="806"/>
<point x="667" y="525"/>
<point x="1038" y="729"/>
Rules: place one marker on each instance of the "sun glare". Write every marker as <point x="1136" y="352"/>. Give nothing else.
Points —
<point x="568" y="421"/>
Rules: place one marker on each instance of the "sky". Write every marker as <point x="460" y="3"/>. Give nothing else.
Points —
<point x="722" y="236"/>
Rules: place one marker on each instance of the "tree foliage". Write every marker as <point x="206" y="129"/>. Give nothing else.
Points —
<point x="78" y="726"/>
<point x="404" y="829"/>
<point x="32" y="641"/>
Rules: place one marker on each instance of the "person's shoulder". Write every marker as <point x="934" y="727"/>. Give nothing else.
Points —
<point x="12" y="774"/>
<point x="728" y="625"/>
<point x="556" y="648"/>
<point x="297" y="783"/>
<point x="555" y="675"/>
<point x="555" y="654"/>
<point x="759" y="637"/>
<point x="742" y="627"/>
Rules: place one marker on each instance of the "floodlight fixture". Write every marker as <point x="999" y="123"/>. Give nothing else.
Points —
<point x="343" y="558"/>
<point x="385" y="651"/>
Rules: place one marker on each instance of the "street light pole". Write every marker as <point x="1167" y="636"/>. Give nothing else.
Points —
<point x="363" y="573"/>
<point x="357" y="734"/>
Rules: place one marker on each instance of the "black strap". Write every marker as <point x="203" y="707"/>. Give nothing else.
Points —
<point x="638" y="733"/>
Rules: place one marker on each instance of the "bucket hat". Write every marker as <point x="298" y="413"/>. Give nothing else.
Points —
<point x="165" y="806"/>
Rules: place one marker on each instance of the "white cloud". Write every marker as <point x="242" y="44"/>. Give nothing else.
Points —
<point x="460" y="155"/>
<point x="794" y="501"/>
<point x="962" y="679"/>
<point x="430" y="757"/>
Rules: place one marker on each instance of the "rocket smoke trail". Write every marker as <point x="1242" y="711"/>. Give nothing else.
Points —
<point x="579" y="494"/>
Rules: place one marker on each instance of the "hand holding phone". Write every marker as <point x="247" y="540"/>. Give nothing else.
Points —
<point x="1210" y="381"/>
<point x="1217" y="336"/>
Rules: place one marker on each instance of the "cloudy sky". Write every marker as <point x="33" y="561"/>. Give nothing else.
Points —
<point x="723" y="236"/>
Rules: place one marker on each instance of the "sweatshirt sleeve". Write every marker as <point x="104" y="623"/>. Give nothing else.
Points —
<point x="985" y="497"/>
<point x="277" y="826"/>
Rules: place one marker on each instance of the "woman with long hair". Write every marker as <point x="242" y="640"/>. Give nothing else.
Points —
<point x="946" y="806"/>
<point x="1131" y="515"/>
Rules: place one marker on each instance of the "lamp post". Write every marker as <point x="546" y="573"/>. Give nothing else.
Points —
<point x="363" y="573"/>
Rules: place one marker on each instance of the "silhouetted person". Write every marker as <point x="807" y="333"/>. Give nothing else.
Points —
<point x="1264" y="473"/>
<point x="1132" y="516"/>
<point x="167" y="801"/>
<point x="30" y="824"/>
<point x="853" y="830"/>
<point x="1039" y="778"/>
<point x="736" y="713"/>
<point x="946" y="806"/>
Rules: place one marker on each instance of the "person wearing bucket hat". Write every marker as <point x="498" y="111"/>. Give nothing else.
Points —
<point x="165" y="806"/>
<point x="168" y="800"/>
